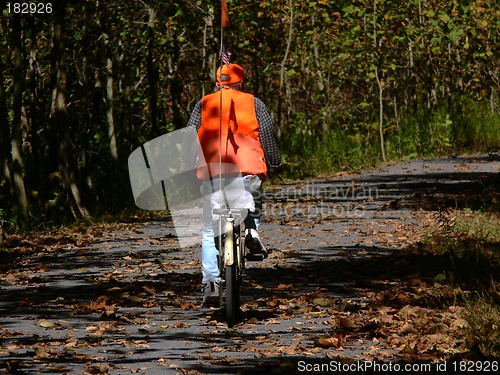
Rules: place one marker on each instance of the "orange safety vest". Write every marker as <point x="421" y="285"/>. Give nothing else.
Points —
<point x="240" y="141"/>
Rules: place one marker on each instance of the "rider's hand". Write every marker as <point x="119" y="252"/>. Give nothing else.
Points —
<point x="275" y="170"/>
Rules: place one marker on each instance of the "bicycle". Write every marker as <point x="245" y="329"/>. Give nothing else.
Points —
<point x="232" y="258"/>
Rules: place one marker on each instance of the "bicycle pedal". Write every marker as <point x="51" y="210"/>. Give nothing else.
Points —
<point x="256" y="257"/>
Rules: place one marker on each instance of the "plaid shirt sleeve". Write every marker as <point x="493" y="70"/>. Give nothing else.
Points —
<point x="195" y="118"/>
<point x="267" y="135"/>
<point x="189" y="159"/>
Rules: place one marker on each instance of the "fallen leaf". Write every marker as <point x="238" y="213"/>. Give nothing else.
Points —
<point x="98" y="369"/>
<point x="323" y="302"/>
<point x="284" y="287"/>
<point x="47" y="324"/>
<point x="328" y="342"/>
<point x="71" y="344"/>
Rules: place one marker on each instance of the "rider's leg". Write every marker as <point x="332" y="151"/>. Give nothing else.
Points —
<point x="253" y="184"/>
<point x="209" y="253"/>
<point x="210" y="268"/>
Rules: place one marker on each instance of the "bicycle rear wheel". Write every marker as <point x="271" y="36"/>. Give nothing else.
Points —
<point x="232" y="296"/>
<point x="232" y="280"/>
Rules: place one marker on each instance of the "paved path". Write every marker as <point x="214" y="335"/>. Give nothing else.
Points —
<point x="129" y="301"/>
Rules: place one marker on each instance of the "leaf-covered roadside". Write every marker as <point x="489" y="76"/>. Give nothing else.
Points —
<point x="404" y="310"/>
<point x="410" y="280"/>
<point x="72" y="324"/>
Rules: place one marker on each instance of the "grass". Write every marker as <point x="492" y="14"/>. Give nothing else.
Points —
<point x="483" y="318"/>
<point x="310" y="155"/>
<point x="310" y="150"/>
<point x="471" y="239"/>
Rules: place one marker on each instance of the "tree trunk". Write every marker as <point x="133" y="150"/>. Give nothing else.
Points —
<point x="113" y="148"/>
<point x="152" y="72"/>
<point x="16" y="135"/>
<point x="58" y="115"/>
<point x="374" y="24"/>
<point x="282" y="70"/>
<point x="176" y="87"/>
<point x="381" y="116"/>
<point x="85" y="85"/>
<point x="4" y="132"/>
<point x="109" y="94"/>
<point x="208" y="35"/>
<point x="36" y="103"/>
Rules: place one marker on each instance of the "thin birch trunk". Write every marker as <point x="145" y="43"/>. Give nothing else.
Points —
<point x="4" y="133"/>
<point x="381" y="117"/>
<point x="152" y="72"/>
<point x="87" y="91"/>
<point x="374" y="23"/>
<point x="208" y="34"/>
<point x="58" y="114"/>
<point x="282" y="70"/>
<point x="17" y="166"/>
<point x="113" y="148"/>
<point x="108" y="88"/>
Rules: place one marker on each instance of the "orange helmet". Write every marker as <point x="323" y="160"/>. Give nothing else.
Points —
<point x="233" y="74"/>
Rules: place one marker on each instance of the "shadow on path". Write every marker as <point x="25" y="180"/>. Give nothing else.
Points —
<point x="130" y="300"/>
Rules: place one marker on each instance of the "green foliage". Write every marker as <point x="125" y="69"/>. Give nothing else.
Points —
<point x="477" y="128"/>
<point x="8" y="221"/>
<point x="308" y="152"/>
<point x="483" y="317"/>
<point x="471" y="239"/>
<point x="436" y="63"/>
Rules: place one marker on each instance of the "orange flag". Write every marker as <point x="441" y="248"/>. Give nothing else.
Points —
<point x="224" y="18"/>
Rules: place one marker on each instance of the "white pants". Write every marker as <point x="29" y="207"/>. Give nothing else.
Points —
<point x="209" y="252"/>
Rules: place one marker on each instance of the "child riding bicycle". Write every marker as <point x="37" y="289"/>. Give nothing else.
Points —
<point x="234" y="128"/>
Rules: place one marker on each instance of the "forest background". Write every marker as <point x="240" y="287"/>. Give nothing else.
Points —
<point x="348" y="84"/>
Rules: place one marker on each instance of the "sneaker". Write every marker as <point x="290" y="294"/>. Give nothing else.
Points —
<point x="253" y="242"/>
<point x="211" y="296"/>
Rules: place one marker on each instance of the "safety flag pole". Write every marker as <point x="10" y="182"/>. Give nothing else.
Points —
<point x="224" y="21"/>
